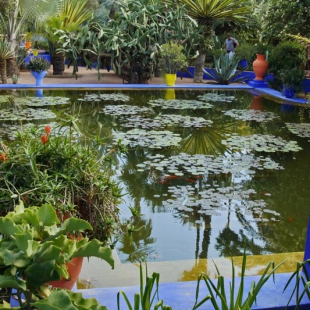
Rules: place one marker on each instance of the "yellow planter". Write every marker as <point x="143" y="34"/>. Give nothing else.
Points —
<point x="170" y="79"/>
<point x="169" y="94"/>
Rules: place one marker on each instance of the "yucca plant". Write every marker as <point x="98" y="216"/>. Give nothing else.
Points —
<point x="6" y="52"/>
<point x="147" y="294"/>
<point x="218" y="297"/>
<point x="225" y="70"/>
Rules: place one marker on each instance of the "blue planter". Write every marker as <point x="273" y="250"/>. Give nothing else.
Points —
<point x="288" y="92"/>
<point x="243" y="63"/>
<point x="39" y="77"/>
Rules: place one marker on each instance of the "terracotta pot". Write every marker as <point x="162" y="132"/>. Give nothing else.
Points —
<point x="74" y="269"/>
<point x="28" y="44"/>
<point x="260" y="66"/>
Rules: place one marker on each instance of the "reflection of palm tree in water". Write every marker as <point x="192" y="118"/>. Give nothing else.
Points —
<point x="206" y="140"/>
<point x="230" y="243"/>
<point x="136" y="245"/>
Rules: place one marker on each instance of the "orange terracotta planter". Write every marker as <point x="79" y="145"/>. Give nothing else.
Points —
<point x="74" y="269"/>
<point x="260" y="67"/>
<point x="28" y="44"/>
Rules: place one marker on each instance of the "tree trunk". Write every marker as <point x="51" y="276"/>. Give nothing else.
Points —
<point x="3" y="71"/>
<point x="11" y="67"/>
<point x="58" y="63"/>
<point x="199" y="65"/>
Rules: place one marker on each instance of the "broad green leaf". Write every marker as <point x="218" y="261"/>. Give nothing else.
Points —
<point x="12" y="282"/>
<point x="47" y="251"/>
<point x="47" y="215"/>
<point x="7" y="227"/>
<point x="95" y="248"/>
<point x="58" y="300"/>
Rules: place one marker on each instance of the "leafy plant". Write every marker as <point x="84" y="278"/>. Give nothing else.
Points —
<point x="146" y="297"/>
<point x="260" y="48"/>
<point x="35" y="248"/>
<point x="225" y="70"/>
<point x="61" y="167"/>
<point x="172" y="57"/>
<point x="287" y="54"/>
<point x="302" y="277"/>
<point x="293" y="78"/>
<point x="38" y="64"/>
<point x="217" y="293"/>
<point x="246" y="51"/>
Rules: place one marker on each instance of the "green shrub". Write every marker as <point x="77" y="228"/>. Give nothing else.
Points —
<point x="286" y="55"/>
<point x="60" y="167"/>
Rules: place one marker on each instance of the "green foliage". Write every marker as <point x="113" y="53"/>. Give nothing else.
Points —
<point x="67" y="300"/>
<point x="172" y="57"/>
<point x="38" y="64"/>
<point x="284" y="17"/>
<point x="235" y="300"/>
<point x="302" y="278"/>
<point x="260" y="48"/>
<point x="225" y="70"/>
<point x="131" y="41"/>
<point x="286" y="55"/>
<point x="35" y="248"/>
<point x="289" y="54"/>
<point x="45" y="165"/>
<point x="146" y="297"/>
<point x="6" y="49"/>
<point x="293" y="78"/>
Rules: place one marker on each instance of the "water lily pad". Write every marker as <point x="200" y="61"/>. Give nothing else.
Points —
<point x="43" y="101"/>
<point x="261" y="143"/>
<point x="105" y="97"/>
<point x="238" y="164"/>
<point x="163" y="121"/>
<point x="152" y="139"/>
<point x="180" y="104"/>
<point x="118" y="110"/>
<point x="215" y="97"/>
<point x="26" y="114"/>
<point x="300" y="130"/>
<point x="188" y="199"/>
<point x="251" y="115"/>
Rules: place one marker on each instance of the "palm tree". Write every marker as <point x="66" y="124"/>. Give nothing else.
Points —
<point x="206" y="13"/>
<point x="15" y="18"/>
<point x="72" y="14"/>
<point x="6" y="52"/>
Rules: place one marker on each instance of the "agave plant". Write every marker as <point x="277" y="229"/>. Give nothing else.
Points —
<point x="218" y="297"/>
<point x="6" y="52"/>
<point x="225" y="70"/>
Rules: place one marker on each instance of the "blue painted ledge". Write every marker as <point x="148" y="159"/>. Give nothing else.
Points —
<point x="181" y="295"/>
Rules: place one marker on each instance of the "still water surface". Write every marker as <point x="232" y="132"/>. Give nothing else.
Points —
<point x="210" y="211"/>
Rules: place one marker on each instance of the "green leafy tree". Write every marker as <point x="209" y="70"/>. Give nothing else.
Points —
<point x="285" y="17"/>
<point x="206" y="13"/>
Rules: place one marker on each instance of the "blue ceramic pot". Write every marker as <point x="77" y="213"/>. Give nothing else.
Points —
<point x="243" y="63"/>
<point x="39" y="77"/>
<point x="288" y="92"/>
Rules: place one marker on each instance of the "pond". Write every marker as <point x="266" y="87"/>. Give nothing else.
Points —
<point x="206" y="169"/>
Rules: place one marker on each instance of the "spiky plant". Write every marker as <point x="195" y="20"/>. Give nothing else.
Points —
<point x="6" y="52"/>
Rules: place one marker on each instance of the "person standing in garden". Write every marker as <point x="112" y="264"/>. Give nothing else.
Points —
<point x="230" y="44"/>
